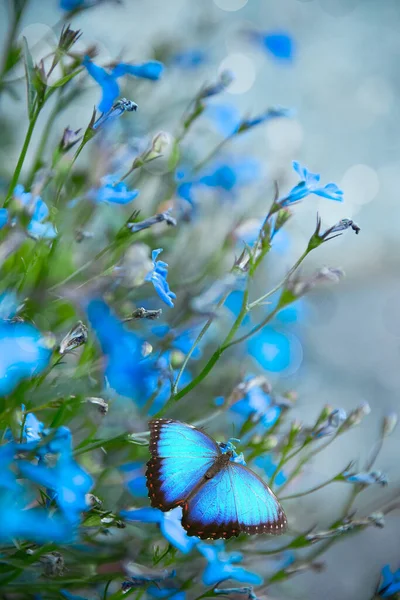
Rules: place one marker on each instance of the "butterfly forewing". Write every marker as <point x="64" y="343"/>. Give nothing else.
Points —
<point x="236" y="500"/>
<point x="181" y="456"/>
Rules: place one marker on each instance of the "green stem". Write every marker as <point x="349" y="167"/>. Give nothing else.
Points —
<point x="214" y="358"/>
<point x="22" y="156"/>
<point x="194" y="346"/>
<point x="310" y="491"/>
<point x="42" y="142"/>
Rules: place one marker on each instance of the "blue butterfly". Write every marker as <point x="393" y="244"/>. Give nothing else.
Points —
<point x="220" y="498"/>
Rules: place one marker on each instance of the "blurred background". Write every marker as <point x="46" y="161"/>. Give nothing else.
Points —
<point x="342" y="81"/>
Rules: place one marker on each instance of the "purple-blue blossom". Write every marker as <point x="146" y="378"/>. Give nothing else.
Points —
<point x="170" y="525"/>
<point x="107" y="80"/>
<point x="258" y="406"/>
<point x="38" y="227"/>
<point x="309" y="184"/>
<point x="113" y="191"/>
<point x="367" y="478"/>
<point x="158" y="277"/>
<point x="390" y="583"/>
<point x="278" y="44"/>
<point x="24" y="353"/>
<point x="222" y="565"/>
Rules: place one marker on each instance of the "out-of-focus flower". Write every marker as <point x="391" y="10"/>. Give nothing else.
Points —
<point x="390" y="583"/>
<point x="108" y="79"/>
<point x="68" y="480"/>
<point x="24" y="353"/>
<point x="226" y="176"/>
<point x="8" y="478"/>
<point x="112" y="191"/>
<point x="189" y="59"/>
<point x="170" y="525"/>
<point x="158" y="277"/>
<point x="335" y="419"/>
<point x="68" y="596"/>
<point x="170" y="593"/>
<point x="298" y="286"/>
<point x="319" y="238"/>
<point x="275" y="351"/>
<point x="35" y="525"/>
<point x="3" y="217"/>
<point x="309" y="184"/>
<point x="74" y="338"/>
<point x="135" y="479"/>
<point x="116" y="110"/>
<point x="389" y="423"/>
<point x="8" y="305"/>
<point x="269" y="466"/>
<point x="222" y="565"/>
<point x="127" y="371"/>
<point x="257" y="405"/>
<point x="268" y="115"/>
<point x="38" y="227"/>
<point x="279" y="44"/>
<point x="366" y="478"/>
<point x="101" y="404"/>
<point x="33" y="429"/>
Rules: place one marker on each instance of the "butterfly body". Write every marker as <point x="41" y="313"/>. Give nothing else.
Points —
<point x="220" y="498"/>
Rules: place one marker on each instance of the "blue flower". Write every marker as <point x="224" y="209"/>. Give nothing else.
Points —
<point x="158" y="277"/>
<point x="170" y="525"/>
<point x="8" y="478"/>
<point x="108" y="80"/>
<point x="8" y="304"/>
<point x="33" y="428"/>
<point x="68" y="596"/>
<point x="113" y="191"/>
<point x="246" y="591"/>
<point x="275" y="351"/>
<point x="72" y="4"/>
<point x="390" y="583"/>
<point x="225" y="176"/>
<point x="180" y="340"/>
<point x="189" y="59"/>
<point x="23" y="353"/>
<point x="225" y="117"/>
<point x="258" y="405"/>
<point x="268" y="115"/>
<point x="127" y="372"/>
<point x="37" y="228"/>
<point x="309" y="184"/>
<point x="279" y="44"/>
<point x="135" y="479"/>
<point x="266" y="463"/>
<point x="36" y="525"/>
<point x="222" y="565"/>
<point x="170" y="593"/>
<point x="140" y="575"/>
<point x="366" y="478"/>
<point x="336" y="418"/>
<point x="68" y="480"/>
<point x="3" y="217"/>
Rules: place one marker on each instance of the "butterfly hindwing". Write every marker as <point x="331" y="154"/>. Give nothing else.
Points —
<point x="236" y="500"/>
<point x="181" y="455"/>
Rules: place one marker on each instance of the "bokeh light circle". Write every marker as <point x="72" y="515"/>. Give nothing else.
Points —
<point x="243" y="68"/>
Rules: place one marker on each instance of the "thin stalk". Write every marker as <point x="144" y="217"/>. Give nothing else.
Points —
<point x="22" y="156"/>
<point x="306" y="492"/>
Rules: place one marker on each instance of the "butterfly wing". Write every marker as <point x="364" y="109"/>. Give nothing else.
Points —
<point x="181" y="456"/>
<point x="236" y="500"/>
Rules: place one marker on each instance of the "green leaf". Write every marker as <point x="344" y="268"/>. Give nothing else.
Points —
<point x="30" y="77"/>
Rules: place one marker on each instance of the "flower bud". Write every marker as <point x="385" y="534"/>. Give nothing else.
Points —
<point x="389" y="424"/>
<point x="74" y="338"/>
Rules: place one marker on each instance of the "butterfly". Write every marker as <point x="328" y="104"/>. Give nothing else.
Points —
<point x="220" y="498"/>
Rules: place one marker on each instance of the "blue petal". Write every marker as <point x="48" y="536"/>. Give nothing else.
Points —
<point x="280" y="45"/>
<point x="44" y="231"/>
<point x="3" y="217"/>
<point x="108" y="84"/>
<point x="152" y="69"/>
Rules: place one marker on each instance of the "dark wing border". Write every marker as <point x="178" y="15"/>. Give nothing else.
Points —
<point x="235" y="528"/>
<point x="153" y="479"/>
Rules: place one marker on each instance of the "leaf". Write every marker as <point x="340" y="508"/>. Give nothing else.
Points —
<point x="30" y="77"/>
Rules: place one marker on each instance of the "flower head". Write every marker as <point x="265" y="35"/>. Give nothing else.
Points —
<point x="113" y="191"/>
<point x="366" y="478"/>
<point x="390" y="583"/>
<point x="222" y="565"/>
<point x="170" y="525"/>
<point x="116" y="110"/>
<point x="309" y="184"/>
<point x="278" y="44"/>
<point x="108" y="79"/>
<point x="38" y="227"/>
<point x="24" y="353"/>
<point x="158" y="277"/>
